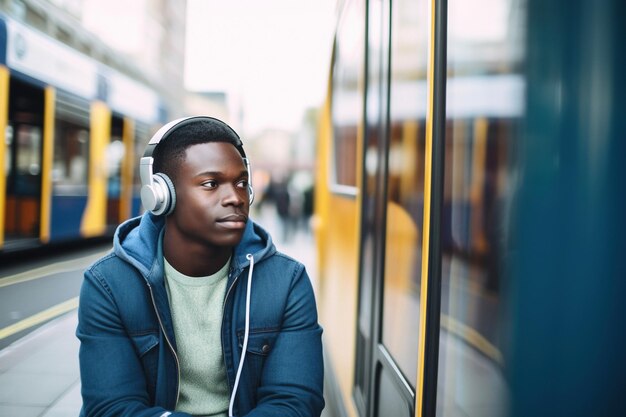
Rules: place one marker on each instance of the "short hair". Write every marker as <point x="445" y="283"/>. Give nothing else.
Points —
<point x="169" y="154"/>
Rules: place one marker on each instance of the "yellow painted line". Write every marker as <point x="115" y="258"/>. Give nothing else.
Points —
<point x="48" y="270"/>
<point x="419" y="394"/>
<point x="39" y="318"/>
<point x="472" y="337"/>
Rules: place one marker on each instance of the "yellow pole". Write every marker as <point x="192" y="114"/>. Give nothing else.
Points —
<point x="46" y="164"/>
<point x="4" y="118"/>
<point x="94" y="219"/>
<point x="126" y="194"/>
<point x="419" y="395"/>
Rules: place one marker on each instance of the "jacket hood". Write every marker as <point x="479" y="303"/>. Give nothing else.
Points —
<point x="138" y="242"/>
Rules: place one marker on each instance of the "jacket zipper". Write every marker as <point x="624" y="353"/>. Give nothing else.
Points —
<point x="232" y="284"/>
<point x="156" y="311"/>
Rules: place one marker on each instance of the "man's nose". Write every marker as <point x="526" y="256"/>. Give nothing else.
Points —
<point x="232" y="196"/>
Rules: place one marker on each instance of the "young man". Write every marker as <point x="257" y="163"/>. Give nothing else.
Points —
<point x="194" y="312"/>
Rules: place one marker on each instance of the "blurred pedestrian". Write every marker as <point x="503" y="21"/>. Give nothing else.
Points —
<point x="279" y="193"/>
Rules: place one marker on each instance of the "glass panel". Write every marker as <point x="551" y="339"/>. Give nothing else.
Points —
<point x="347" y="119"/>
<point x="142" y="137"/>
<point x="405" y="184"/>
<point x="28" y="150"/>
<point x="8" y="155"/>
<point x="484" y="107"/>
<point x="71" y="159"/>
<point x="347" y="101"/>
<point x="23" y="181"/>
<point x="23" y="161"/>
<point x="28" y="161"/>
<point x="114" y="157"/>
<point x="390" y="402"/>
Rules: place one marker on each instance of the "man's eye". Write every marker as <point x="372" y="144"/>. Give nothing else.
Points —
<point x="209" y="184"/>
<point x="242" y="184"/>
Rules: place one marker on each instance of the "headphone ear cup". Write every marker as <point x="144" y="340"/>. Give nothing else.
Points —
<point x="166" y="185"/>
<point x="250" y="194"/>
<point x="149" y="198"/>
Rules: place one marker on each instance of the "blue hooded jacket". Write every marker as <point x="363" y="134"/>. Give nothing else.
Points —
<point x="128" y="361"/>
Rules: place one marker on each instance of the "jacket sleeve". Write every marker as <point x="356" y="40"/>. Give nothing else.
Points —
<point x="293" y="376"/>
<point x="112" y="377"/>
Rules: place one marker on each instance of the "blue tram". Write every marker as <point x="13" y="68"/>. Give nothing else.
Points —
<point x="71" y="128"/>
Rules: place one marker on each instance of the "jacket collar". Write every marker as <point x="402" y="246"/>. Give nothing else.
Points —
<point x="138" y="241"/>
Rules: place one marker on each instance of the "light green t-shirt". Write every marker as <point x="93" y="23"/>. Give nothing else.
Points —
<point x="197" y="306"/>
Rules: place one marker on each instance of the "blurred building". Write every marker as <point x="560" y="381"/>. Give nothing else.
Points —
<point x="304" y="148"/>
<point x="214" y="104"/>
<point x="272" y="150"/>
<point x="144" y="39"/>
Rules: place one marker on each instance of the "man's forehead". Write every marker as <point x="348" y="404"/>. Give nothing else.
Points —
<point x="212" y="147"/>
<point x="218" y="154"/>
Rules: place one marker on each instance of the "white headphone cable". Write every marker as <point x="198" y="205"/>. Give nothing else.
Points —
<point x="245" y="337"/>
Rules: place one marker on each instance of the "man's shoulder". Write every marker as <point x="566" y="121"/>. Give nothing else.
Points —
<point x="111" y="267"/>
<point x="282" y="265"/>
<point x="281" y="258"/>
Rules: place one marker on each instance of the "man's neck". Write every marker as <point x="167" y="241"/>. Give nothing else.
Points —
<point x="193" y="258"/>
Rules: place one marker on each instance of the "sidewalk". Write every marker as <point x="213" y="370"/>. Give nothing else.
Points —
<point x="300" y="246"/>
<point x="39" y="374"/>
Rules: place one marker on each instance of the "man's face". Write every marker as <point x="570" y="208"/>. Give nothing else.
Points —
<point x="211" y="195"/>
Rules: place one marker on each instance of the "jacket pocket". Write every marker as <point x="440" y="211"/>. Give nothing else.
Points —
<point x="260" y="345"/>
<point x="147" y="348"/>
<point x="144" y="342"/>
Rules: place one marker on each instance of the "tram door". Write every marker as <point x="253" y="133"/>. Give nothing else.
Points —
<point x="23" y="163"/>
<point x="388" y="330"/>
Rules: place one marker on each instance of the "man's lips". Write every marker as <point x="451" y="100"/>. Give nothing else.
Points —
<point x="233" y="218"/>
<point x="233" y="221"/>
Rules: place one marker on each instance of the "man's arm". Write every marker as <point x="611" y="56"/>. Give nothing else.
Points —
<point x="293" y="376"/>
<point x="112" y="377"/>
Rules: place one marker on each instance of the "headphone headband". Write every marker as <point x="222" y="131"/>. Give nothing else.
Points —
<point x="170" y="127"/>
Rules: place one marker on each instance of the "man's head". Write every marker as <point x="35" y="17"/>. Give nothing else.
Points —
<point x="170" y="151"/>
<point x="200" y="164"/>
<point x="166" y="151"/>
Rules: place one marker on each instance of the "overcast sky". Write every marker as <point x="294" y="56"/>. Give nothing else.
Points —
<point x="272" y="54"/>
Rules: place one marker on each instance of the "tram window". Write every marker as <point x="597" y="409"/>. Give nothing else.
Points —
<point x="345" y="156"/>
<point x="142" y="137"/>
<point x="24" y="159"/>
<point x="113" y="157"/>
<point x="114" y="154"/>
<point x="27" y="153"/>
<point x="71" y="158"/>
<point x="7" y="153"/>
<point x="483" y="109"/>
<point x="28" y="140"/>
<point x="347" y="102"/>
<point x="405" y="185"/>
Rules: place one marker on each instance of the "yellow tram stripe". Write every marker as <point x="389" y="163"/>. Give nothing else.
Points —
<point x="39" y="318"/>
<point x="4" y="116"/>
<point x="419" y="395"/>
<point x="46" y="163"/>
<point x="56" y="268"/>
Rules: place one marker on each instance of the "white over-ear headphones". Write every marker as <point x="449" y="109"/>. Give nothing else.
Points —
<point x="157" y="190"/>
